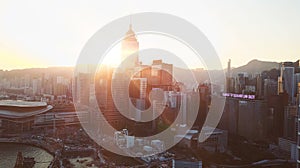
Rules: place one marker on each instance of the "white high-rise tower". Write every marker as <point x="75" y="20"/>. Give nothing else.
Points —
<point x="130" y="46"/>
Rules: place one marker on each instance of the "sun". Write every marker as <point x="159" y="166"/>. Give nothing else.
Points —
<point x="113" y="56"/>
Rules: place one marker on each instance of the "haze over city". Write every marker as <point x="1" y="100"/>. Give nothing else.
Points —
<point x="36" y="34"/>
<point x="197" y="84"/>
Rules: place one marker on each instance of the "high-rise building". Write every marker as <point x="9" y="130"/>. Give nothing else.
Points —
<point x="158" y="75"/>
<point x="240" y="83"/>
<point x="266" y="117"/>
<point x="120" y="92"/>
<point x="276" y="104"/>
<point x="229" y="120"/>
<point x="229" y="80"/>
<point x="157" y="98"/>
<point x="103" y="88"/>
<point x="289" y="82"/>
<point x="280" y="81"/>
<point x="138" y="88"/>
<point x="269" y="88"/>
<point x="106" y="102"/>
<point x="183" y="109"/>
<point x="137" y="94"/>
<point x="130" y="48"/>
<point x="35" y="86"/>
<point x="286" y="81"/>
<point x="60" y="86"/>
<point x="129" y="88"/>
<point x="297" y="80"/>
<point x="82" y="88"/>
<point x="229" y="69"/>
<point x="161" y="75"/>
<point x="298" y="135"/>
<point x="205" y="100"/>
<point x="114" y="85"/>
<point x="192" y="107"/>
<point x="256" y="113"/>
<point x="290" y="122"/>
<point x="260" y="86"/>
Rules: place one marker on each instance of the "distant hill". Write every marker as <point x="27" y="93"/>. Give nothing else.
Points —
<point x="189" y="76"/>
<point x="252" y="67"/>
<point x="61" y="71"/>
<point x="255" y="66"/>
<point x="184" y="75"/>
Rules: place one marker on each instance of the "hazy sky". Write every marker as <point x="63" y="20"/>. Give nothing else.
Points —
<point x="42" y="34"/>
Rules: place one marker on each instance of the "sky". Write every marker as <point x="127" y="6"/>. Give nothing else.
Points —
<point x="37" y="33"/>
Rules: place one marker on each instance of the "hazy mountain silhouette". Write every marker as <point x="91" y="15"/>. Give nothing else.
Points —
<point x="255" y="66"/>
<point x="182" y="75"/>
<point x="37" y="72"/>
<point x="188" y="77"/>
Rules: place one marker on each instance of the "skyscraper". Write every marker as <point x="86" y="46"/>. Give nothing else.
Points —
<point x="161" y="75"/>
<point x="130" y="48"/>
<point x="298" y="135"/>
<point x="286" y="81"/>
<point x="229" y="69"/>
<point x="82" y="88"/>
<point x="296" y="80"/>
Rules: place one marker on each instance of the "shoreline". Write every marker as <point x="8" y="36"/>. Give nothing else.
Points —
<point x="33" y="144"/>
<point x="39" y="148"/>
<point x="29" y="144"/>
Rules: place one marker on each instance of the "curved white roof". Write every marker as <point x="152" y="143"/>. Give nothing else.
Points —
<point x="15" y="115"/>
<point x="20" y="103"/>
<point x="28" y="108"/>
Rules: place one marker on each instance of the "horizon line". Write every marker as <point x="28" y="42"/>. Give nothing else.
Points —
<point x="70" y="66"/>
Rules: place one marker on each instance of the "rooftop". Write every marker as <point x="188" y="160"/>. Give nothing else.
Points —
<point x="20" y="103"/>
<point x="15" y="109"/>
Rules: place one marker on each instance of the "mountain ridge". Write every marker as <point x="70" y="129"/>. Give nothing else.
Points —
<point x="255" y="66"/>
<point x="185" y="75"/>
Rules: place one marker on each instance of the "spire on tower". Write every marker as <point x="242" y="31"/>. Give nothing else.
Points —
<point x="130" y="32"/>
<point x="130" y="21"/>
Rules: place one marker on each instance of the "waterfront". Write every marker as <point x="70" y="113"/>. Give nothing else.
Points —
<point x="8" y="154"/>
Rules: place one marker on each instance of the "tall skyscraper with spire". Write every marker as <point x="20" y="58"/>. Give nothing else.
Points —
<point x="130" y="48"/>
<point x="129" y="58"/>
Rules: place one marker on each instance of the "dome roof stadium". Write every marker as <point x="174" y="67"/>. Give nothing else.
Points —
<point x="22" y="109"/>
<point x="19" y="103"/>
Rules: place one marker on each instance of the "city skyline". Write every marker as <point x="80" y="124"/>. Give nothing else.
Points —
<point x="150" y="84"/>
<point x="150" y="62"/>
<point x="249" y="99"/>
